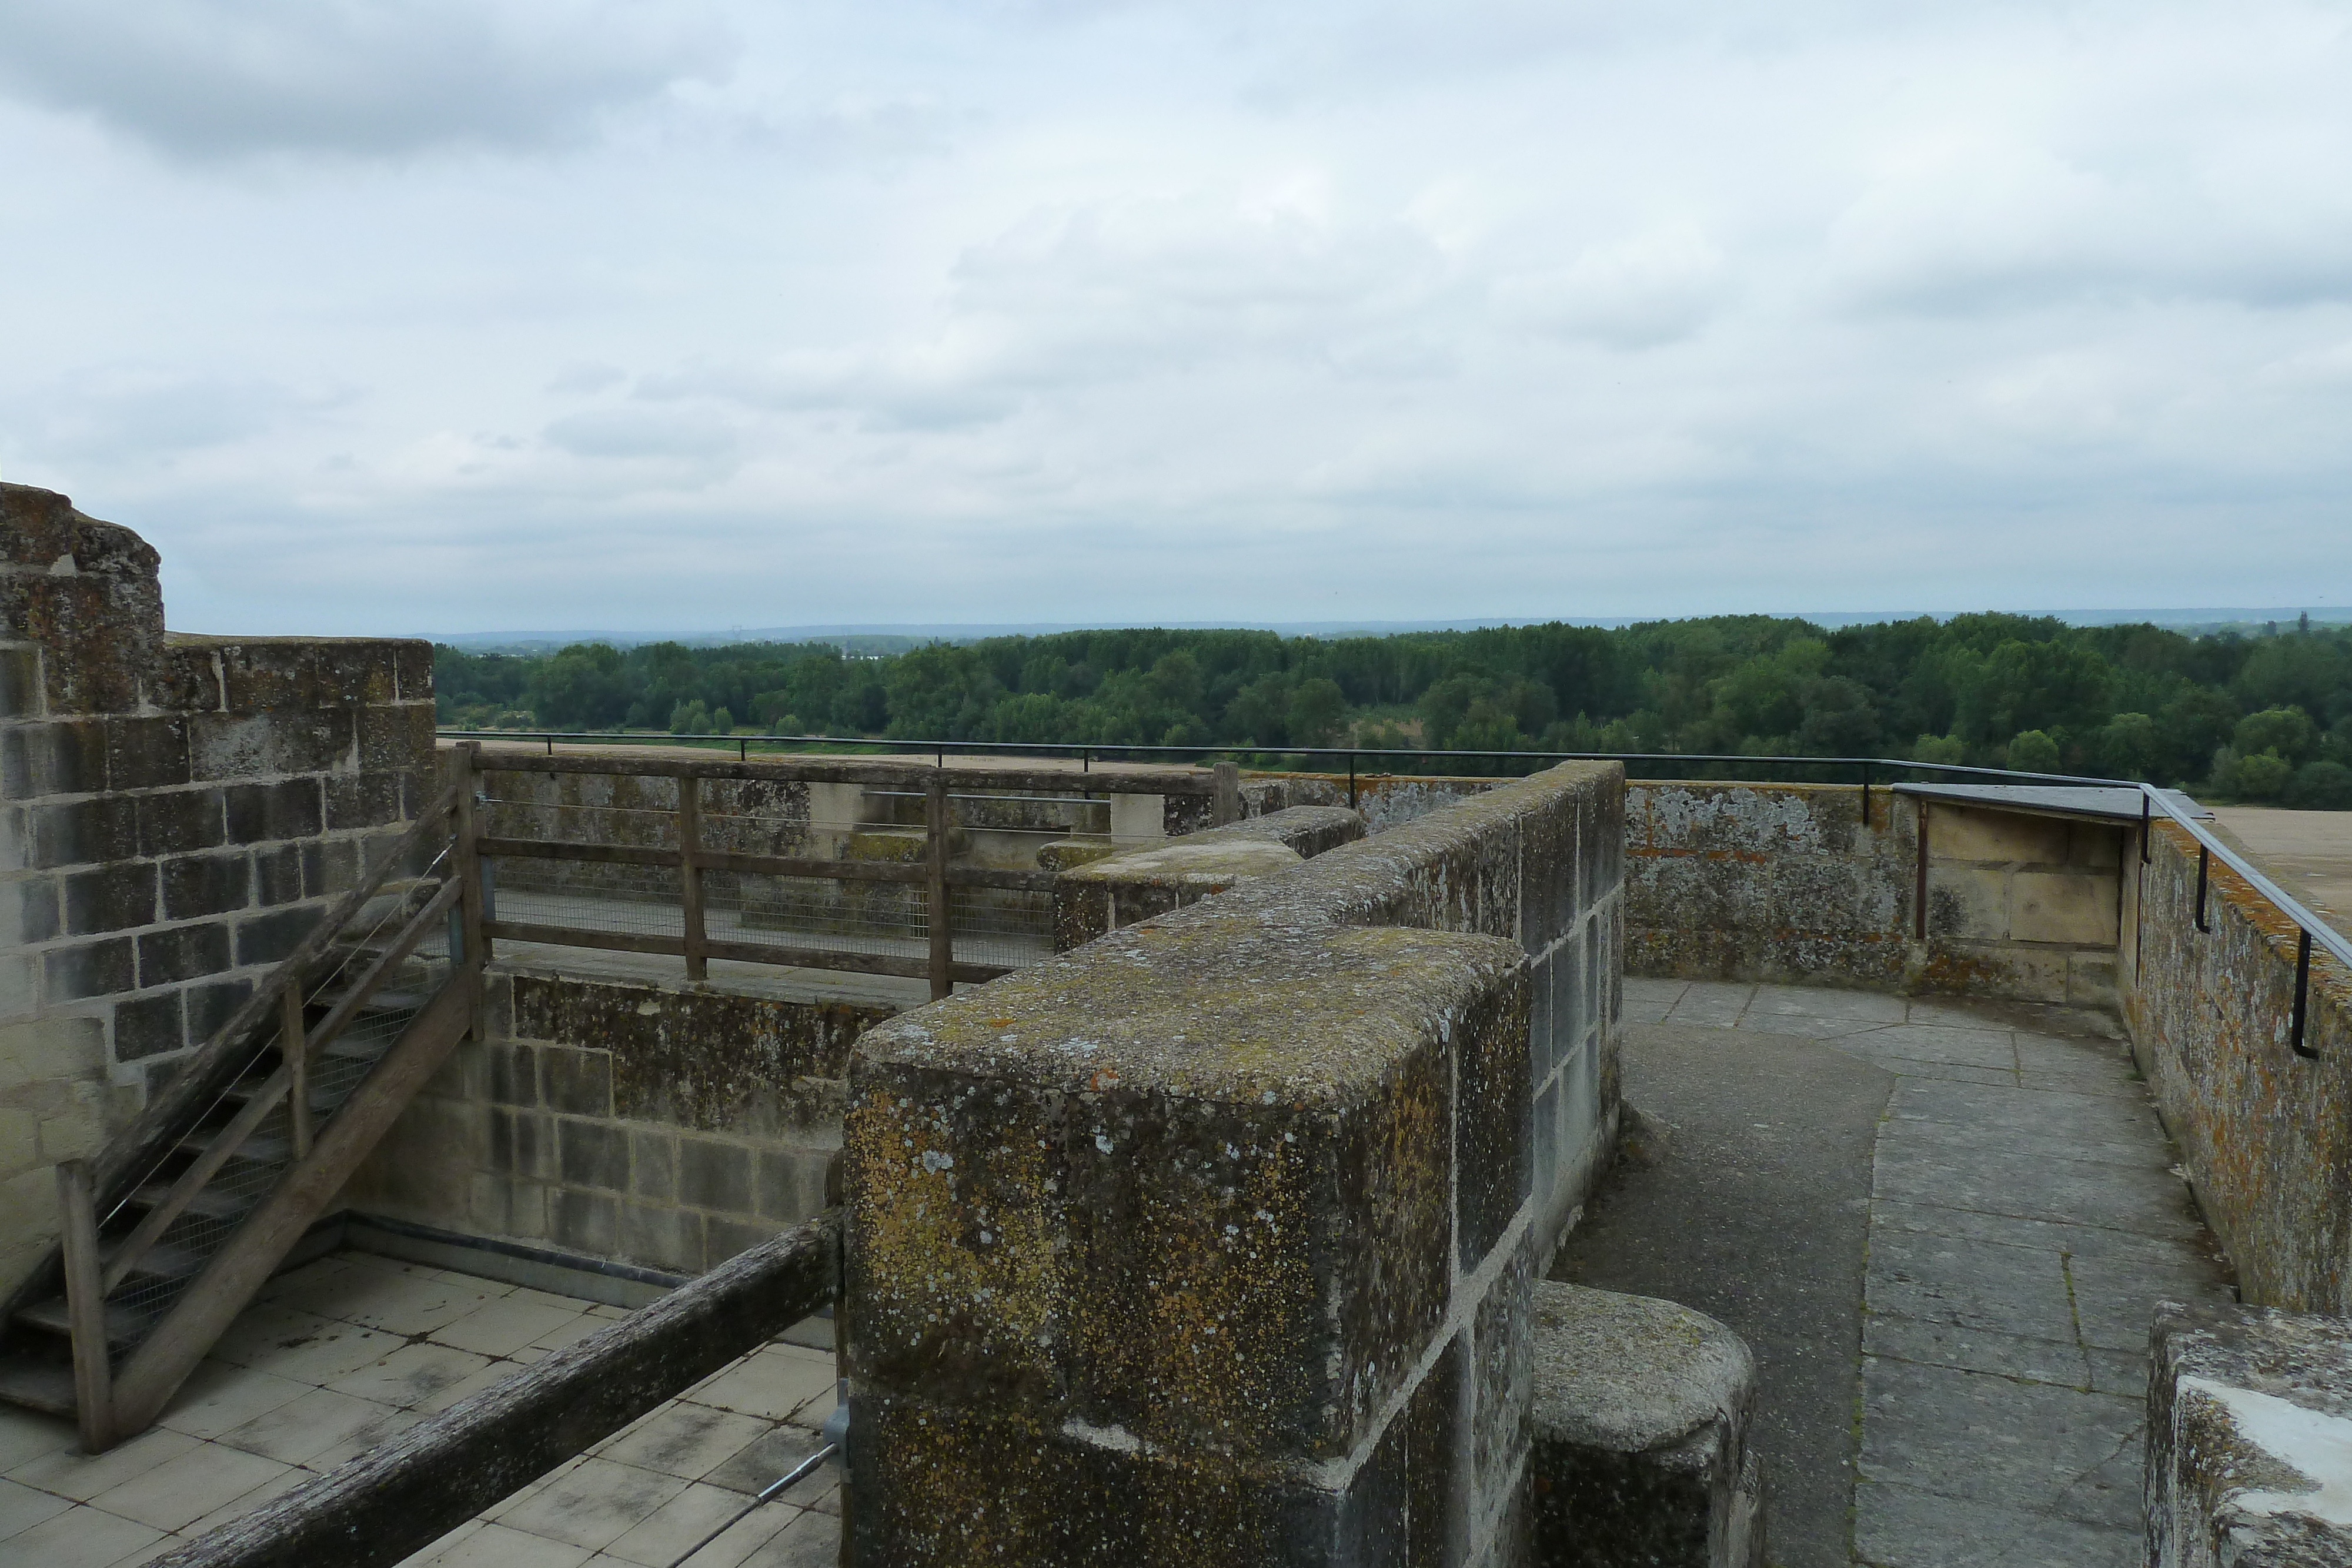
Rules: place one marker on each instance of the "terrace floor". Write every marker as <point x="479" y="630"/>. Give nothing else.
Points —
<point x="1943" y="1227"/>
<point x="341" y="1353"/>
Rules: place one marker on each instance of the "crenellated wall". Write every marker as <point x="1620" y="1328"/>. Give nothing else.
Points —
<point x="175" y="812"/>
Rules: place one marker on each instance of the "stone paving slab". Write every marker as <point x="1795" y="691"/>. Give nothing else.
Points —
<point x="2025" y="1216"/>
<point x="338" y="1356"/>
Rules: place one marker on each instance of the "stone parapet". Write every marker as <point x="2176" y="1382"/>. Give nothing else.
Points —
<point x="2265" y="1133"/>
<point x="659" y="1124"/>
<point x="1640" y="1422"/>
<point x="2249" y="1439"/>
<point x="1211" y="1240"/>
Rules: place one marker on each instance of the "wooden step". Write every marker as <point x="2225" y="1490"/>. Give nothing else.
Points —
<point x="261" y="1148"/>
<point x="164" y="1262"/>
<point x="37" y="1384"/>
<point x="123" y="1325"/>
<point x="211" y="1204"/>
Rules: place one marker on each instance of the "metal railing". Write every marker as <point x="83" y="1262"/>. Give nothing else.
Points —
<point x="2312" y="931"/>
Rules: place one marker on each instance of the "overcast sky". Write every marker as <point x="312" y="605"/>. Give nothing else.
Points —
<point x="468" y="315"/>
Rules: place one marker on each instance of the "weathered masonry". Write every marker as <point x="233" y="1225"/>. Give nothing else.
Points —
<point x="1213" y="1239"/>
<point x="175" y="814"/>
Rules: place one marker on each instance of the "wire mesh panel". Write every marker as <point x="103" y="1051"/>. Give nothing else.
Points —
<point x="1006" y="927"/>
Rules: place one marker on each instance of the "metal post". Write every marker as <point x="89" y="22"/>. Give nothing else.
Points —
<point x="2302" y="992"/>
<point x="295" y="1049"/>
<point x="1351" y="780"/>
<point x="1865" y="797"/>
<point x="936" y="822"/>
<point x="2204" y="861"/>
<point x="474" y="901"/>
<point x="2144" y="826"/>
<point x="86" y="1308"/>
<point x="689" y="875"/>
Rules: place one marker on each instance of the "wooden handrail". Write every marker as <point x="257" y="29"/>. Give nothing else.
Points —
<point x="93" y="1365"/>
<point x="818" y="770"/>
<point x="762" y="865"/>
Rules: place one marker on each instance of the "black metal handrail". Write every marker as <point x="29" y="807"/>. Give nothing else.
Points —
<point x="2311" y="929"/>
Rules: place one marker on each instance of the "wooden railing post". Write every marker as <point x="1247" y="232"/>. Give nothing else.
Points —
<point x="936" y="822"/>
<point x="1227" y="807"/>
<point x="464" y="838"/>
<point x="86" y="1308"/>
<point x="689" y="874"/>
<point x="294" y="1046"/>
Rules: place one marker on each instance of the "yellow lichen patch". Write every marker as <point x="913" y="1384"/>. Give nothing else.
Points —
<point x="953" y="1248"/>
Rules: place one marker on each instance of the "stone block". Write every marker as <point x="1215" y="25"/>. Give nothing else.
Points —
<point x="1127" y="1187"/>
<point x="95" y="968"/>
<point x="661" y="1236"/>
<point x="940" y="1485"/>
<point x="1493" y="1150"/>
<point x="177" y="821"/>
<point x="2098" y="848"/>
<point x="210" y="1004"/>
<point x="1122" y="889"/>
<point x="268" y="937"/>
<point x="288" y="809"/>
<point x="51" y="1049"/>
<point x="712" y="1175"/>
<point x="501" y="1207"/>
<point x="653" y="1166"/>
<point x="28" y="911"/>
<point x="66" y="757"/>
<point x="585" y="1222"/>
<point x="198" y="885"/>
<point x="2004" y="838"/>
<point x="522" y="1145"/>
<point x="395" y="737"/>
<point x="109" y="898"/>
<point x="149" y="1026"/>
<point x="2078" y="907"/>
<point x="592" y="1155"/>
<point x="20" y="682"/>
<point x="278" y="875"/>
<point x="1969" y="901"/>
<point x="2091" y="980"/>
<point x="513" y="1073"/>
<point x="1501" y="1369"/>
<point x="361" y="801"/>
<point x="1640" y="1424"/>
<point x="146" y="753"/>
<point x="182" y="953"/>
<point x="788" y="1185"/>
<point x="722" y="1238"/>
<point x="574" y="1081"/>
<point x="2248" y="1438"/>
<point x="83" y="832"/>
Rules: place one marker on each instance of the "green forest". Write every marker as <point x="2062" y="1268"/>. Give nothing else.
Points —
<point x="2233" y="718"/>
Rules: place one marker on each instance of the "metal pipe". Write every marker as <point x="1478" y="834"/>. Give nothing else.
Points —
<point x="2302" y="993"/>
<point x="2204" y="863"/>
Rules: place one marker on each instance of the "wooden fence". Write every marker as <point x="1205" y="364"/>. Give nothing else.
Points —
<point x="691" y="860"/>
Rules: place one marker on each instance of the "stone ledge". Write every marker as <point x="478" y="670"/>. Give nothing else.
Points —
<point x="2250" y="1439"/>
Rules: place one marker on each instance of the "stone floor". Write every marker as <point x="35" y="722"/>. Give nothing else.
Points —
<point x="2025" y="1217"/>
<point x="344" y="1352"/>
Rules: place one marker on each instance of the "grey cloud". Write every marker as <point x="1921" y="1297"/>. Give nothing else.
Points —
<point x="214" y="78"/>
<point x="144" y="415"/>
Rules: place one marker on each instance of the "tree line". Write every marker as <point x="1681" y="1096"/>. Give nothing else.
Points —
<point x="2265" y="717"/>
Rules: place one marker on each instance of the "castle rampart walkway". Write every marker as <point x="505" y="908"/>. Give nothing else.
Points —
<point x="1943" y="1227"/>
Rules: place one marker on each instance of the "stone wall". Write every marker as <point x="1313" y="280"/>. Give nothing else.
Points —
<point x="2265" y="1133"/>
<point x="174" y="813"/>
<point x="1214" y="1240"/>
<point x="659" y="1124"/>
<point x="1786" y="883"/>
<point x="1384" y="799"/>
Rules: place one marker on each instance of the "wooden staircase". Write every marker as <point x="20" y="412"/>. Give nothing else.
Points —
<point x="171" y="1229"/>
